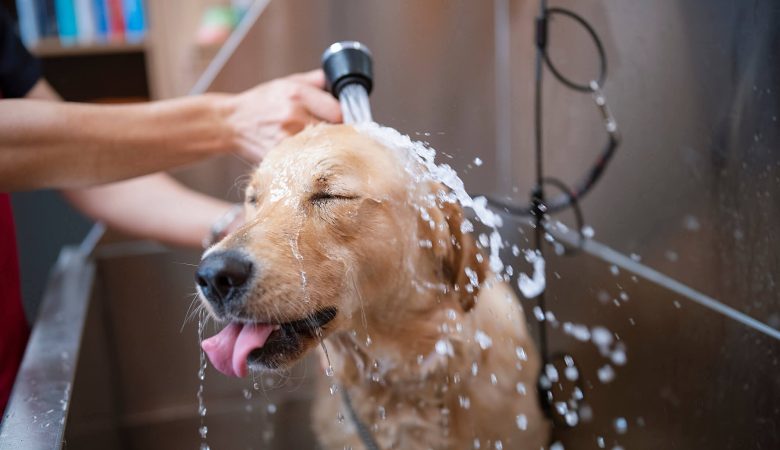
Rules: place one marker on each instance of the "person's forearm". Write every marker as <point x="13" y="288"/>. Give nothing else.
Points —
<point x="154" y="207"/>
<point x="69" y="145"/>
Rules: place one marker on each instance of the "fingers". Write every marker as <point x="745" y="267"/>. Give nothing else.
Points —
<point x="298" y="119"/>
<point x="314" y="77"/>
<point x="320" y="104"/>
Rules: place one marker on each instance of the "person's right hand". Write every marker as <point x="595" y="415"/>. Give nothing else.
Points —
<point x="264" y="115"/>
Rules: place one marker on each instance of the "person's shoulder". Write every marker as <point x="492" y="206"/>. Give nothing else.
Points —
<point x="19" y="70"/>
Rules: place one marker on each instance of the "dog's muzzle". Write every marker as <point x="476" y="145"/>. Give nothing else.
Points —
<point x="222" y="278"/>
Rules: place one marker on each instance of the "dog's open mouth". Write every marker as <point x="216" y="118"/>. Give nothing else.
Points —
<point x="268" y="345"/>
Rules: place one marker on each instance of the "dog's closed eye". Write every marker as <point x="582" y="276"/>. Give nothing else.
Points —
<point x="323" y="196"/>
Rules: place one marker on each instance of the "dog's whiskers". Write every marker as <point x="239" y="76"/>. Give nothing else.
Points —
<point x="193" y="310"/>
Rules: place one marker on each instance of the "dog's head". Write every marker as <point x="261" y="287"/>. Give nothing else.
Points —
<point x="338" y="235"/>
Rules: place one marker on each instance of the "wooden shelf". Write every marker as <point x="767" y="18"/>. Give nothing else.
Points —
<point x="52" y="47"/>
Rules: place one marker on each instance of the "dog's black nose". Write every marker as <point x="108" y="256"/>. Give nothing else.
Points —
<point x="222" y="275"/>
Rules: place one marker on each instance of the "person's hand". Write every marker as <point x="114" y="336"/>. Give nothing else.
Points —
<point x="264" y="115"/>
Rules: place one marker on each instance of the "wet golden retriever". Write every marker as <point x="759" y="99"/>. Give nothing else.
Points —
<point x="344" y="242"/>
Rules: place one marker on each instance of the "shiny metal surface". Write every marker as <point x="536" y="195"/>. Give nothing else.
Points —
<point x="694" y="86"/>
<point x="36" y="414"/>
<point x="338" y="46"/>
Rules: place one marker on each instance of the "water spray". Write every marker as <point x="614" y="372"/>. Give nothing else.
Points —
<point x="349" y="76"/>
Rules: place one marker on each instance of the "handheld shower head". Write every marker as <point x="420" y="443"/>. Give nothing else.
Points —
<point x="345" y="63"/>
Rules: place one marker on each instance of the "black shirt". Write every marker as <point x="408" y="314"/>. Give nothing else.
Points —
<point x="19" y="70"/>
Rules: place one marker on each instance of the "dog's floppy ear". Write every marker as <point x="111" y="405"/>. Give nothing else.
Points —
<point x="462" y="264"/>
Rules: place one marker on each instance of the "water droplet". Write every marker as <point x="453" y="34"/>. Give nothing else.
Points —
<point x="602" y="337"/>
<point x="381" y="413"/>
<point x="577" y="394"/>
<point x="328" y="370"/>
<point x="271" y="408"/>
<point x="586" y="413"/>
<point x="464" y="401"/>
<point x="613" y="269"/>
<point x="619" y="357"/>
<point x="556" y="446"/>
<point x="474" y="369"/>
<point x="600" y="442"/>
<point x="621" y="425"/>
<point x="451" y="314"/>
<point x="493" y="379"/>
<point x="572" y="419"/>
<point x="477" y="444"/>
<point x="691" y="223"/>
<point x="340" y="417"/>
<point x="484" y="341"/>
<point x="498" y="445"/>
<point x="577" y="331"/>
<point x="522" y="422"/>
<point x="204" y="446"/>
<point x="477" y="162"/>
<point x="606" y="374"/>
<point x="334" y="388"/>
<point x="204" y="430"/>
<point x="588" y="231"/>
<point x="444" y="347"/>
<point x="520" y="387"/>
<point x="551" y="372"/>
<point x="247" y="394"/>
<point x="520" y="352"/>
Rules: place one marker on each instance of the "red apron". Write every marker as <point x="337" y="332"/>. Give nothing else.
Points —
<point x="14" y="330"/>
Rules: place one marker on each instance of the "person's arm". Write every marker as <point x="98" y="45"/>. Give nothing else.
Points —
<point x="153" y="207"/>
<point x="69" y="145"/>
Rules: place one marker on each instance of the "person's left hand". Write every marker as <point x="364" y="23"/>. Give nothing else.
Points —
<point x="264" y="115"/>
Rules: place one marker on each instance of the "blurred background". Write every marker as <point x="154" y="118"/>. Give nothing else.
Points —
<point x="685" y="264"/>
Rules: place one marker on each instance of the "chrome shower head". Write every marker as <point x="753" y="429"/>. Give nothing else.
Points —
<point x="345" y="63"/>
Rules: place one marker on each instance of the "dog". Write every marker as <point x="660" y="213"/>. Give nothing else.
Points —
<point x="347" y="249"/>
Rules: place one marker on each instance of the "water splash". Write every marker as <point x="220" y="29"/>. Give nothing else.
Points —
<point x="423" y="168"/>
<point x="532" y="286"/>
<point x="202" y="428"/>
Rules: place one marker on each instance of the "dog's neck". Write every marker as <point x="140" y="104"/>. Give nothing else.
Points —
<point x="415" y="347"/>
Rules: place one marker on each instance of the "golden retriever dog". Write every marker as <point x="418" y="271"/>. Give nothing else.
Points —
<point x="346" y="243"/>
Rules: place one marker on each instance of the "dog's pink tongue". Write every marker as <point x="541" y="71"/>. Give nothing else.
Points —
<point x="229" y="349"/>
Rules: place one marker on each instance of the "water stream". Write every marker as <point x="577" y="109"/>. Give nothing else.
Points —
<point x="202" y="429"/>
<point x="355" y="106"/>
